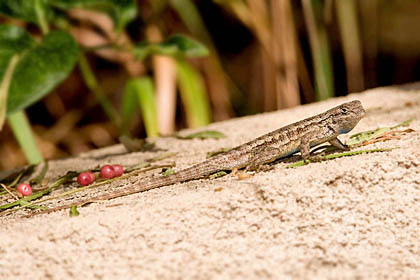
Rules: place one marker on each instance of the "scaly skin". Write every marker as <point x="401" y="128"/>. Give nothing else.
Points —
<point x="299" y="136"/>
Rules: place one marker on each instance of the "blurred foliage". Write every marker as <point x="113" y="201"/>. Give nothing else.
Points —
<point x="121" y="11"/>
<point x="141" y="91"/>
<point x="175" y="45"/>
<point x="41" y="67"/>
<point x="88" y="71"/>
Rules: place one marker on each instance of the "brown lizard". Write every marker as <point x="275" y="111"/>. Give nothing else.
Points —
<point x="283" y="142"/>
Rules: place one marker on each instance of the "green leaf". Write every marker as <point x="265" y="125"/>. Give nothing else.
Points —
<point x="129" y="108"/>
<point x="175" y="45"/>
<point x="186" y="46"/>
<point x="144" y="49"/>
<point x="168" y="171"/>
<point x="404" y="123"/>
<point x="14" y="39"/>
<point x="40" y="68"/>
<point x="121" y="11"/>
<point x="217" y="175"/>
<point x="193" y="95"/>
<point x="373" y="134"/>
<point x="144" y="90"/>
<point x="366" y="136"/>
<point x="26" y="9"/>
<point x="205" y="134"/>
<point x="73" y="211"/>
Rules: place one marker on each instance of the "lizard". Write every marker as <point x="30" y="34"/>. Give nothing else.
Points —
<point x="283" y="142"/>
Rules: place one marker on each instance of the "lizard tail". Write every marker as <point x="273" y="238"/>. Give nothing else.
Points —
<point x="144" y="184"/>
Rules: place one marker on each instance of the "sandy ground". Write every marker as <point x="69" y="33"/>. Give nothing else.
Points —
<point x="353" y="217"/>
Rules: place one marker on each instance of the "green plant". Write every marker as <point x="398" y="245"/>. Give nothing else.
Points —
<point x="30" y="69"/>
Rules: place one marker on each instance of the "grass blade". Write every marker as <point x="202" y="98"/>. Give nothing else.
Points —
<point x="350" y="38"/>
<point x="4" y="87"/>
<point x="25" y="201"/>
<point x="23" y="133"/>
<point x="95" y="88"/>
<point x="218" y="80"/>
<point x="338" y="155"/>
<point x="321" y="54"/>
<point x="193" y="95"/>
<point x="144" y="90"/>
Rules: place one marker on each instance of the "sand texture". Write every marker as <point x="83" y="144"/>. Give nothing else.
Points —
<point x="353" y="217"/>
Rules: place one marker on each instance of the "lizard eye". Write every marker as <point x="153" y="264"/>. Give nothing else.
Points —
<point x="344" y="110"/>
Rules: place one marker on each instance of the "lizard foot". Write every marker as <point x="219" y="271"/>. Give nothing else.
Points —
<point x="316" y="158"/>
<point x="259" y="167"/>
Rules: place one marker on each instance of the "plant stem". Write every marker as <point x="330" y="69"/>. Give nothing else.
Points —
<point x="23" y="133"/>
<point x="4" y="87"/>
<point x="344" y="154"/>
<point x="92" y="84"/>
<point x="318" y="39"/>
<point x="42" y="21"/>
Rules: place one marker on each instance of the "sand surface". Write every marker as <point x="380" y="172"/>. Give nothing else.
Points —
<point x="352" y="217"/>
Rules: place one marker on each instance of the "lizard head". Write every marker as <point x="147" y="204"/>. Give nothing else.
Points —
<point x="347" y="116"/>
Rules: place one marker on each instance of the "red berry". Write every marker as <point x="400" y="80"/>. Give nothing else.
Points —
<point x="92" y="176"/>
<point x="85" y="178"/>
<point x="107" y="171"/>
<point x="118" y="169"/>
<point x="24" y="189"/>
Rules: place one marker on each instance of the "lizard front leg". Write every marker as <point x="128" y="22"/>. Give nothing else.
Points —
<point x="339" y="145"/>
<point x="306" y="145"/>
